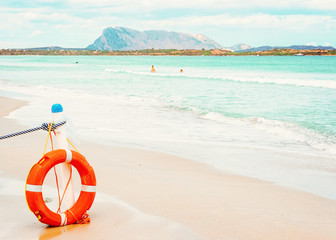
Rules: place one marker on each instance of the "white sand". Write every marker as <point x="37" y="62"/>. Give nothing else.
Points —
<point x="150" y="195"/>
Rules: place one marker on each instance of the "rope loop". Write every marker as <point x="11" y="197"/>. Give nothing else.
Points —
<point x="45" y="126"/>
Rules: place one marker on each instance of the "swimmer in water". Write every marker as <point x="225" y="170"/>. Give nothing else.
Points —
<point x="181" y="70"/>
<point x="153" y="69"/>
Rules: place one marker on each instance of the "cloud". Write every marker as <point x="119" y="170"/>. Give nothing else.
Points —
<point x="311" y="44"/>
<point x="255" y="21"/>
<point x="84" y="20"/>
<point x="327" y="44"/>
<point x="208" y="4"/>
<point x="111" y="12"/>
<point x="35" y="33"/>
<point x="320" y="4"/>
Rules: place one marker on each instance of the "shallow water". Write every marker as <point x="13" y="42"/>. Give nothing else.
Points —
<point x="272" y="118"/>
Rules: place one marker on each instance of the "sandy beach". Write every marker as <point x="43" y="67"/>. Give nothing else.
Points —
<point x="151" y="195"/>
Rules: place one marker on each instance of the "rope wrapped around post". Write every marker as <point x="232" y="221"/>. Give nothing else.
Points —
<point x="44" y="126"/>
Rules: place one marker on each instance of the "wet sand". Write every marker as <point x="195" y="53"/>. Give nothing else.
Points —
<point x="150" y="195"/>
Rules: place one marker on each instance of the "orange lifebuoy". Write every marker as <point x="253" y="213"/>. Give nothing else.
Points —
<point x="35" y="181"/>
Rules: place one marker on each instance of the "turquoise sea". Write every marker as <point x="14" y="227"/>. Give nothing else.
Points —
<point x="272" y="117"/>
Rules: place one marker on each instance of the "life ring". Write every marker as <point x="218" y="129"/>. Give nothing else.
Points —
<point x="35" y="181"/>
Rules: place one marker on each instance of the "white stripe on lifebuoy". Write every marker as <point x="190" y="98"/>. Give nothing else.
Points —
<point x="68" y="156"/>
<point x="88" y="188"/>
<point x="33" y="188"/>
<point x="63" y="219"/>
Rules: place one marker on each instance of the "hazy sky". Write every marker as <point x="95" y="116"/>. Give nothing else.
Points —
<point x="77" y="23"/>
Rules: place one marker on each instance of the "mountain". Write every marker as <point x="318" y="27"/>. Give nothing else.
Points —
<point x="240" y="47"/>
<point x="295" y="47"/>
<point x="121" y="38"/>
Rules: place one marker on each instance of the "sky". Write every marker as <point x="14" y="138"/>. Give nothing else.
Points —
<point x="78" y="23"/>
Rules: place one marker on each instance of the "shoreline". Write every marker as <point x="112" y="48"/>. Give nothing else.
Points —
<point x="168" y="52"/>
<point x="151" y="195"/>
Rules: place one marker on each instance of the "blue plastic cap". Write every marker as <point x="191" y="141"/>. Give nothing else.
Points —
<point x="56" y="108"/>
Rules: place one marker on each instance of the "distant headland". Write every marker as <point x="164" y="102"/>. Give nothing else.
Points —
<point x="170" y="52"/>
<point x="126" y="41"/>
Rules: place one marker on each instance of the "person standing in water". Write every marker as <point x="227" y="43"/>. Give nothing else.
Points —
<point x="153" y="69"/>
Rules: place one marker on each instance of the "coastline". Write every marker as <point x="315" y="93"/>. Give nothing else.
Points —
<point x="149" y="195"/>
<point x="168" y="52"/>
